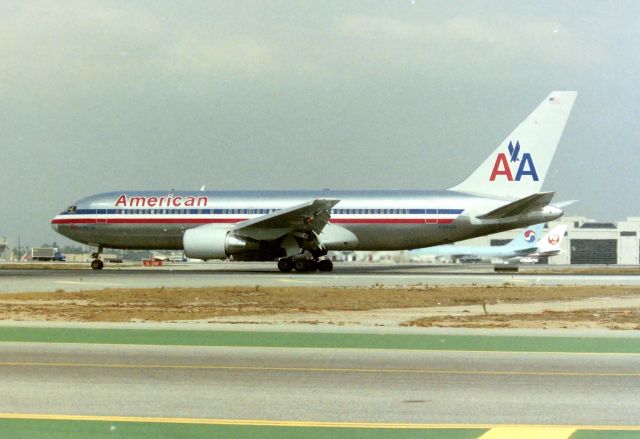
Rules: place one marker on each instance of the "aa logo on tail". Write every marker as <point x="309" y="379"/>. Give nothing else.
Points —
<point x="503" y="166"/>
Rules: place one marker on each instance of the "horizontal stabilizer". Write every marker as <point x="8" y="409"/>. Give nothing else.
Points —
<point x="521" y="206"/>
<point x="526" y="251"/>
<point x="563" y="204"/>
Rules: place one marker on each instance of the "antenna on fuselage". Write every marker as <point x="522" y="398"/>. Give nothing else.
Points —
<point x="202" y="188"/>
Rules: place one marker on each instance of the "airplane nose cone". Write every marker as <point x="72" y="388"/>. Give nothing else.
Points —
<point x="54" y="226"/>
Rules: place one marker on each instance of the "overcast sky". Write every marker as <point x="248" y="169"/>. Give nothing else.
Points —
<point x="100" y="96"/>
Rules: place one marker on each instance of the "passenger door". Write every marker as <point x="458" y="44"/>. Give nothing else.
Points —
<point x="431" y="216"/>
<point x="101" y="216"/>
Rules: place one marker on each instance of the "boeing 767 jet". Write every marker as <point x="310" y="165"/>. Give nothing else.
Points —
<point x="297" y="228"/>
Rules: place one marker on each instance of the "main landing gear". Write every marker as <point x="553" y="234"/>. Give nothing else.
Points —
<point x="304" y="265"/>
<point x="97" y="264"/>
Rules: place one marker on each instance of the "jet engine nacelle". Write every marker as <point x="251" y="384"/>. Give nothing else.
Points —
<point x="214" y="242"/>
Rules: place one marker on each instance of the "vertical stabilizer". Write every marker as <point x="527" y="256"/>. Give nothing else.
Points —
<point x="528" y="238"/>
<point x="550" y="243"/>
<point x="518" y="166"/>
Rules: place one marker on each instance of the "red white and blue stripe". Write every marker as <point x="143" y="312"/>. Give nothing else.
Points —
<point x="236" y="215"/>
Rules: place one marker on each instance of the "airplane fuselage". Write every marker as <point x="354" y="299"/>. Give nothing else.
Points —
<point x="381" y="220"/>
<point x="458" y="251"/>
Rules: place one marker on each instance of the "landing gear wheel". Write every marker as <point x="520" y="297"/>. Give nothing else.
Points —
<point x="325" y="265"/>
<point x="97" y="264"/>
<point x="285" y="265"/>
<point x="300" y="265"/>
<point x="312" y="265"/>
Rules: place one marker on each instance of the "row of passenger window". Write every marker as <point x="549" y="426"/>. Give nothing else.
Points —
<point x="375" y="211"/>
<point x="249" y="211"/>
<point x="262" y="211"/>
<point x="156" y="211"/>
<point x="191" y="211"/>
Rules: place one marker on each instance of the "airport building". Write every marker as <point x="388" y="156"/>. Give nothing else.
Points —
<point x="586" y="241"/>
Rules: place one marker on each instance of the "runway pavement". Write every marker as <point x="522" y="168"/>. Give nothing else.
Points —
<point x="323" y="385"/>
<point x="265" y="274"/>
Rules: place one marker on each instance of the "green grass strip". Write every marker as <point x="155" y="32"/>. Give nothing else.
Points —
<point x="605" y="434"/>
<point x="322" y="340"/>
<point x="29" y="429"/>
<point x="65" y="429"/>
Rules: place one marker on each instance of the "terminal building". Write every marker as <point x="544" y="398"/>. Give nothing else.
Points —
<point x="586" y="241"/>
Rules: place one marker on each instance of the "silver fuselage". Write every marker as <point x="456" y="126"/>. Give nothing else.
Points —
<point x="381" y="220"/>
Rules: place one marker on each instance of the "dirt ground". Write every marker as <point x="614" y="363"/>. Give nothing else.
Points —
<point x="507" y="306"/>
<point x="583" y="318"/>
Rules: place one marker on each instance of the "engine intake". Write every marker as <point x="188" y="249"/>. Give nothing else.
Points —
<point x="214" y="242"/>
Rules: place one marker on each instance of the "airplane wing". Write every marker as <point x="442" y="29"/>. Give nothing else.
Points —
<point x="521" y="206"/>
<point x="310" y="216"/>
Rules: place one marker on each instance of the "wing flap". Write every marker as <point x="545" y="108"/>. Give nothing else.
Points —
<point x="310" y="216"/>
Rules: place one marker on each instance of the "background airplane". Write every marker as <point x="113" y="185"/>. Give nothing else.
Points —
<point x="550" y="244"/>
<point x="527" y="245"/>
<point x="298" y="228"/>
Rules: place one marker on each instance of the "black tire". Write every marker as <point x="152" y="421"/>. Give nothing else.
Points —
<point x="285" y="265"/>
<point x="300" y="265"/>
<point x="312" y="265"/>
<point x="97" y="264"/>
<point x="325" y="265"/>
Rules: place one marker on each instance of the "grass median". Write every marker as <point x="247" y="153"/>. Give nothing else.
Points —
<point x="322" y="340"/>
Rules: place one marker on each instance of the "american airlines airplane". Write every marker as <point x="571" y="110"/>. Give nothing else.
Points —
<point x="298" y="228"/>
<point x="529" y="245"/>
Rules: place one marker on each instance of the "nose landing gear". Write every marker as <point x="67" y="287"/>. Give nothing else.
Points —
<point x="97" y="264"/>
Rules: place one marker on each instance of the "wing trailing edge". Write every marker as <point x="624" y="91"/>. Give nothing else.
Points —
<point x="313" y="216"/>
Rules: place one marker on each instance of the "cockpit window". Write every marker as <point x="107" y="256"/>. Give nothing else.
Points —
<point x="70" y="209"/>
